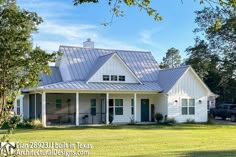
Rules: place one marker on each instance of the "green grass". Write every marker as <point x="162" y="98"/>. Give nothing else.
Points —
<point x="185" y="140"/>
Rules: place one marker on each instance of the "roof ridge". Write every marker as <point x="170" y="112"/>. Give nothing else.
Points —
<point x="184" y="66"/>
<point x="112" y="53"/>
<point x="137" y="51"/>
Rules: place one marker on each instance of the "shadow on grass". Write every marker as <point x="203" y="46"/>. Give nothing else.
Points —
<point x="207" y="153"/>
<point x="211" y="153"/>
<point x="137" y="127"/>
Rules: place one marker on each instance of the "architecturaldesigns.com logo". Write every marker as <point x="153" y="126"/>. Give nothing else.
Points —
<point x="7" y="149"/>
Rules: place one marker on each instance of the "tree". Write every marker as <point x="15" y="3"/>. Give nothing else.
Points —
<point x="20" y="64"/>
<point x="218" y="26"/>
<point x="146" y="6"/>
<point x="199" y="57"/>
<point x="172" y="59"/>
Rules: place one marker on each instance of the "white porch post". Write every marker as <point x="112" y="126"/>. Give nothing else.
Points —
<point x="107" y="108"/>
<point x="135" y="107"/>
<point x="44" y="109"/>
<point x="77" y="110"/>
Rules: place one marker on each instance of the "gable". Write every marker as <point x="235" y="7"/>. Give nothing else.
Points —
<point x="113" y="65"/>
<point x="167" y="78"/>
<point x="189" y="85"/>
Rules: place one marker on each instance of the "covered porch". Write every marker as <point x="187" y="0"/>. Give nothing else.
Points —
<point x="55" y="108"/>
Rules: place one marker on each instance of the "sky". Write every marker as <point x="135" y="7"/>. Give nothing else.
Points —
<point x="66" y="24"/>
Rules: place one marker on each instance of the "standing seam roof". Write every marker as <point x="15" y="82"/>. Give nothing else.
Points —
<point x="141" y="63"/>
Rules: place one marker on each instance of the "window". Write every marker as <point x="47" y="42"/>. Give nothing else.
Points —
<point x="105" y="77"/>
<point x="188" y="106"/>
<point x="18" y="107"/>
<point x="119" y="107"/>
<point x="184" y="106"/>
<point x="58" y="103"/>
<point x="93" y="107"/>
<point x="121" y="78"/>
<point x="132" y="106"/>
<point x="191" y="107"/>
<point x="113" y="77"/>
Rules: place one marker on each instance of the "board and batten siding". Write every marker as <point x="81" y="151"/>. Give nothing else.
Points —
<point x="161" y="105"/>
<point x="189" y="86"/>
<point x="113" y="67"/>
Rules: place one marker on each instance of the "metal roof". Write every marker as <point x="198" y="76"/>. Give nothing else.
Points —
<point x="82" y="85"/>
<point x="168" y="77"/>
<point x="82" y="61"/>
<point x="54" y="77"/>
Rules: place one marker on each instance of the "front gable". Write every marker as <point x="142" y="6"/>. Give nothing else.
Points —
<point x="189" y="85"/>
<point x="112" y="65"/>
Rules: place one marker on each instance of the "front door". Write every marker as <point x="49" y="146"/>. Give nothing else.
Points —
<point x="111" y="110"/>
<point x="144" y="110"/>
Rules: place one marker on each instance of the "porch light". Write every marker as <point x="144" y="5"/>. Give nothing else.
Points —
<point x="200" y="101"/>
<point x="176" y="100"/>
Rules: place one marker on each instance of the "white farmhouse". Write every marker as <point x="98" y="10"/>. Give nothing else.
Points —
<point x="94" y="86"/>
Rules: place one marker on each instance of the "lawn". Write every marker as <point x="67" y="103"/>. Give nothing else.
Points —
<point x="185" y="140"/>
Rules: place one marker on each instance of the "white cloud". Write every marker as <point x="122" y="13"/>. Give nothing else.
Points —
<point x="147" y="36"/>
<point x="56" y="30"/>
<point x="69" y="32"/>
<point x="74" y="35"/>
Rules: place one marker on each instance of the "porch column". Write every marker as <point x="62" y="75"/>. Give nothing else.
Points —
<point x="44" y="109"/>
<point x="107" y="108"/>
<point x="77" y="110"/>
<point x="135" y="107"/>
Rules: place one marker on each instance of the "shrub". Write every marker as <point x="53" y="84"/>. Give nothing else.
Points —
<point x="36" y="124"/>
<point x="132" y="121"/>
<point x="190" y="121"/>
<point x="210" y="120"/>
<point x="158" y="117"/>
<point x="170" y="121"/>
<point x="12" y="122"/>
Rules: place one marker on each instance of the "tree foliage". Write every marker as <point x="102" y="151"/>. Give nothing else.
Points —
<point x="116" y="6"/>
<point x="20" y="64"/>
<point x="172" y="59"/>
<point x="215" y="58"/>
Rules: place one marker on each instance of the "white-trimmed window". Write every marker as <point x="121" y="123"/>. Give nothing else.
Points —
<point x="93" y="107"/>
<point x="132" y="106"/>
<point x="188" y="106"/>
<point x="118" y="106"/>
<point x="18" y="107"/>
<point x="113" y="77"/>
<point x="121" y="78"/>
<point x="105" y="77"/>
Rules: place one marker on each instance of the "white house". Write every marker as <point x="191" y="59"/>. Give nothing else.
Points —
<point x="91" y="86"/>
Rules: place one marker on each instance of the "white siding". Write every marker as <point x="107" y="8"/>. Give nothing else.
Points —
<point x="85" y="108"/>
<point x="127" y="116"/>
<point x="161" y="105"/>
<point x="64" y="69"/>
<point x="188" y="87"/>
<point x="113" y="67"/>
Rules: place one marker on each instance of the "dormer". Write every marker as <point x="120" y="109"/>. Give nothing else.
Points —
<point x="111" y="68"/>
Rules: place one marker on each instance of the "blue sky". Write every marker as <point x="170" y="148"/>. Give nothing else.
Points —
<point x="66" y="24"/>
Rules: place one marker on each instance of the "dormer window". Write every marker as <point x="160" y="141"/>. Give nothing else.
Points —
<point x="113" y="77"/>
<point x="121" y="78"/>
<point x="105" y="77"/>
